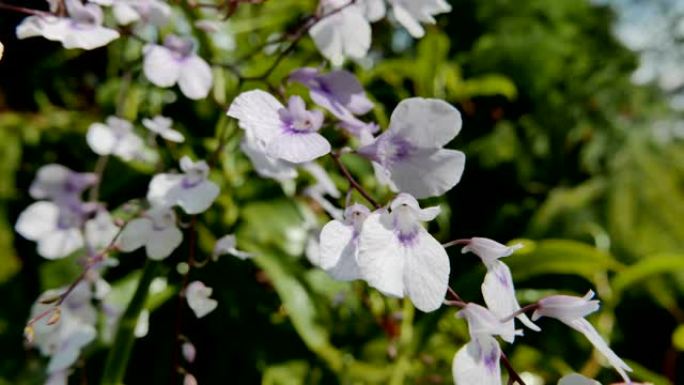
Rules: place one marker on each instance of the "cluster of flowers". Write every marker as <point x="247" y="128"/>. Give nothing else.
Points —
<point x="386" y="246"/>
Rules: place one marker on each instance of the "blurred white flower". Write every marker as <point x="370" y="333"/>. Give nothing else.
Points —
<point x="198" y="295"/>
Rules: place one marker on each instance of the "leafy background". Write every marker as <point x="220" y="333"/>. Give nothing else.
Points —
<point x="565" y="153"/>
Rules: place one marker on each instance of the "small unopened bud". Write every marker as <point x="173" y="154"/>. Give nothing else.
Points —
<point x="29" y="334"/>
<point x="189" y="380"/>
<point x="55" y="317"/>
<point x="182" y="268"/>
<point x="189" y="351"/>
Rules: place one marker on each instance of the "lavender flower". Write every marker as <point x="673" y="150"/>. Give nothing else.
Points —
<point x="175" y="62"/>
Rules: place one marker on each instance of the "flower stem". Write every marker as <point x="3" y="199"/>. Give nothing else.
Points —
<point x="352" y="182"/>
<point x="119" y="353"/>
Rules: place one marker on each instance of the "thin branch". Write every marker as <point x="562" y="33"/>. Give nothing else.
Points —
<point x="520" y="311"/>
<point x="513" y="376"/>
<point x="180" y="305"/>
<point x="24" y="10"/>
<point x="455" y="295"/>
<point x="352" y="182"/>
<point x="294" y="39"/>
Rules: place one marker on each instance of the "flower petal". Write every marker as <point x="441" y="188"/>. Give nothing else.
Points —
<point x="60" y="243"/>
<point x="339" y="250"/>
<point x="426" y="123"/>
<point x="265" y="165"/>
<point x="257" y="112"/>
<point x="162" y="243"/>
<point x="380" y="258"/>
<point x="195" y="78"/>
<point x="428" y="173"/>
<point x="160" y="66"/>
<point x="37" y="220"/>
<point x="584" y="327"/>
<point x="135" y="235"/>
<point x="101" y="139"/>
<point x="197" y="295"/>
<point x="477" y="363"/>
<point x="499" y="295"/>
<point x="298" y="147"/>
<point x="197" y="199"/>
<point x="164" y="189"/>
<point x="89" y="38"/>
<point x="426" y="272"/>
<point x="577" y="379"/>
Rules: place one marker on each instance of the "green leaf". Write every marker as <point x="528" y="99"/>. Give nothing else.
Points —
<point x="305" y="318"/>
<point x="645" y="375"/>
<point x="647" y="268"/>
<point x="278" y="223"/>
<point x="557" y="256"/>
<point x="288" y="373"/>
<point x="678" y="338"/>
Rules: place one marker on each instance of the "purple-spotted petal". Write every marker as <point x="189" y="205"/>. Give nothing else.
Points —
<point x="477" y="363"/>
<point x="499" y="295"/>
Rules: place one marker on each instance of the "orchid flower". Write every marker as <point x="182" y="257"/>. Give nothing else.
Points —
<point x="82" y="29"/>
<point x="64" y="339"/>
<point x="289" y="134"/>
<point x="192" y="190"/>
<point x="116" y="137"/>
<point x="400" y="258"/>
<point x="343" y="33"/>
<point x="156" y="230"/>
<point x="477" y="362"/>
<point x="339" y="92"/>
<point x="154" y="12"/>
<point x="409" y="156"/>
<point x="227" y="244"/>
<point x="55" y="229"/>
<point x="571" y="311"/>
<point x="339" y="244"/>
<point x="175" y="62"/>
<point x="411" y="13"/>
<point x="161" y="126"/>
<point x="497" y="289"/>
<point x="60" y="184"/>
<point x="198" y="295"/>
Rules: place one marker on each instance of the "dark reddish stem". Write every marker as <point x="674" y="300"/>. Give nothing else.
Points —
<point x="24" y="10"/>
<point x="513" y="376"/>
<point x="294" y="39"/>
<point x="352" y="182"/>
<point x="522" y="310"/>
<point x="180" y="305"/>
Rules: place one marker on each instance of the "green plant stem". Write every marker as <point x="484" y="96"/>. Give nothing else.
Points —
<point x="118" y="357"/>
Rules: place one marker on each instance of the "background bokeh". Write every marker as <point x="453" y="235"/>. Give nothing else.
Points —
<point x="575" y="145"/>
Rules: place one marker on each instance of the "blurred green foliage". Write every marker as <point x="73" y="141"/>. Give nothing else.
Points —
<point x="562" y="156"/>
